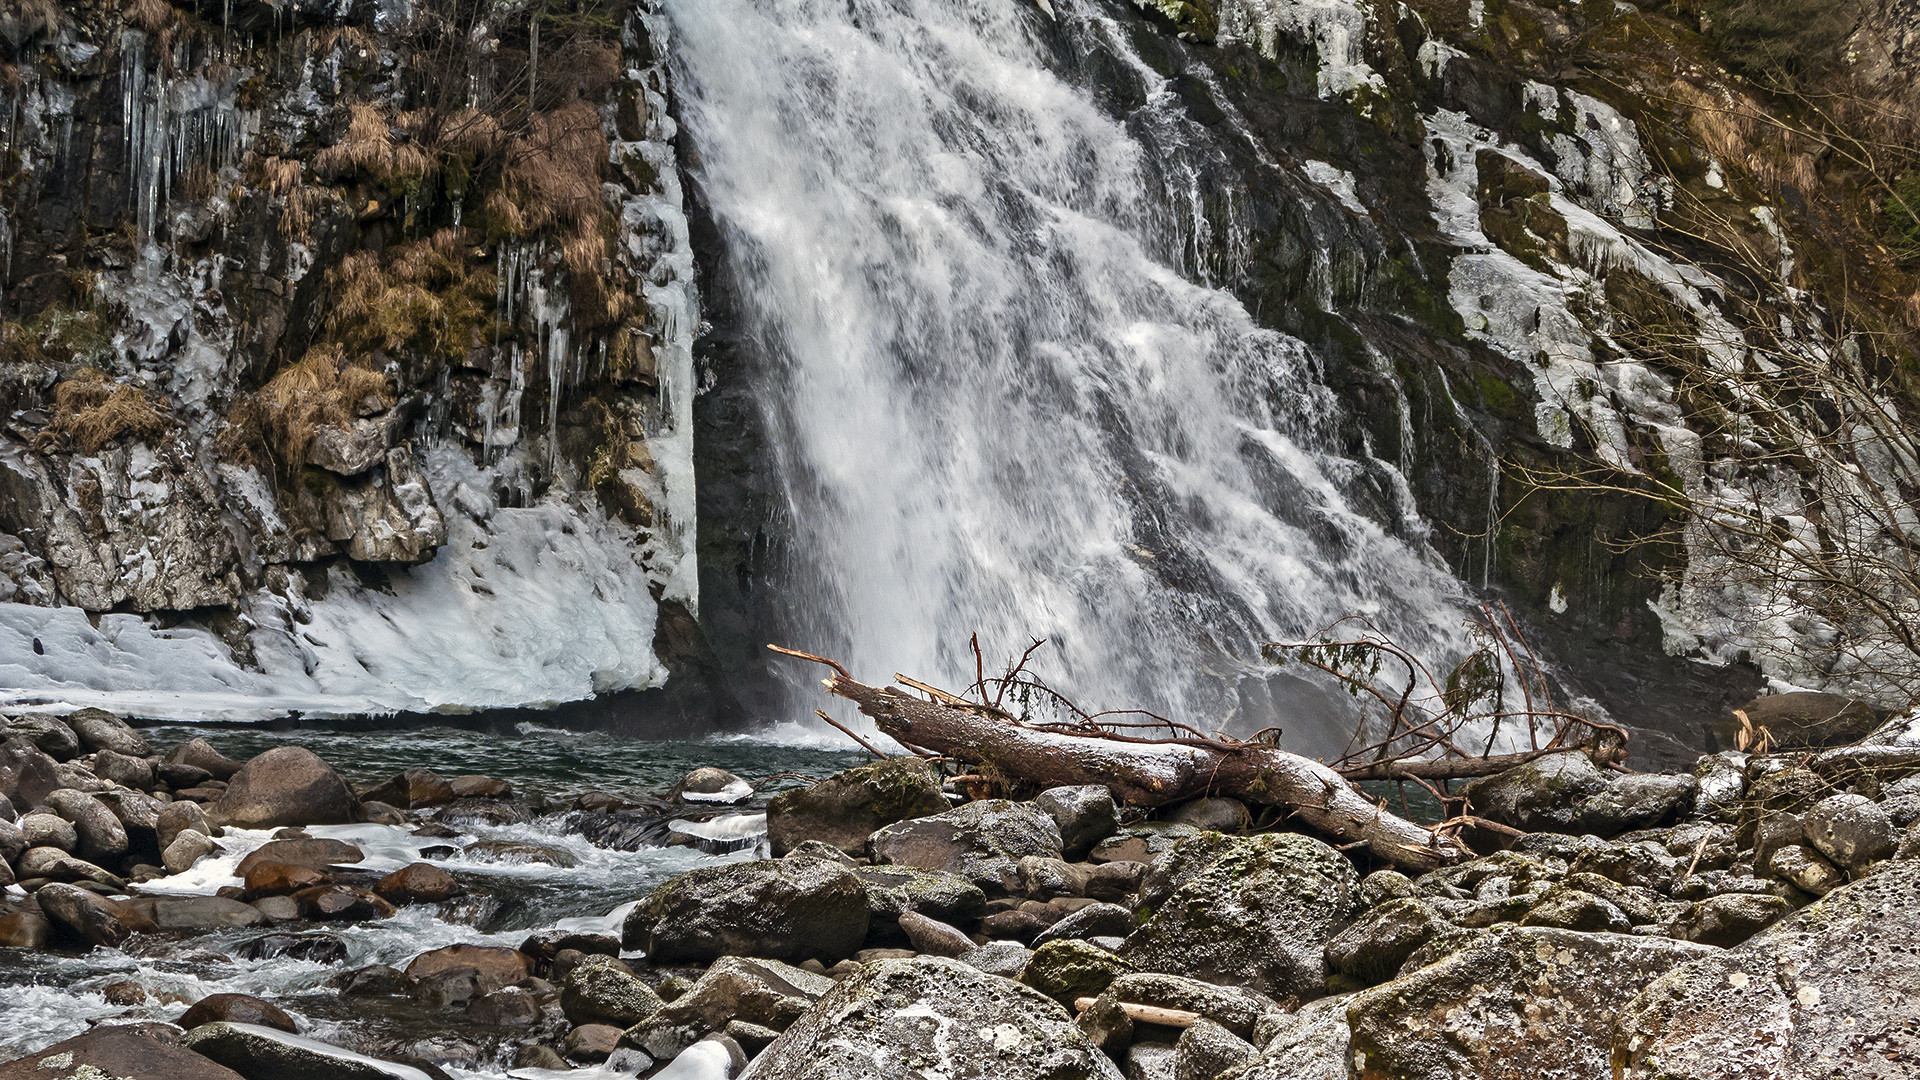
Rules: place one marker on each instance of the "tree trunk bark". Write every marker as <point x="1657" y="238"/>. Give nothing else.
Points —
<point x="1153" y="772"/>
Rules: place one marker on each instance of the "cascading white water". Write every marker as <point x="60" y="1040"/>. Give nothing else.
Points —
<point x="997" y="405"/>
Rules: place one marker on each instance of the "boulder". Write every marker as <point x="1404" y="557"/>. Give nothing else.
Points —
<point x="80" y="914"/>
<point x="203" y="913"/>
<point x="1259" y="916"/>
<point x="374" y="980"/>
<point x="27" y="774"/>
<point x="602" y="990"/>
<point x="981" y="841"/>
<point x="341" y="903"/>
<point x="1092" y="921"/>
<point x="1042" y="878"/>
<point x="49" y="734"/>
<point x="781" y="909"/>
<point x="473" y="786"/>
<point x="288" y="785"/>
<point x="1373" y="949"/>
<point x="1729" y="919"/>
<point x="13" y="841"/>
<point x="124" y="769"/>
<point x="200" y="754"/>
<point x="1829" y="990"/>
<point x="1805" y="718"/>
<point x="1851" y="831"/>
<point x="418" y="883"/>
<point x="1086" y="815"/>
<point x="1516" y="1002"/>
<point x="305" y="851"/>
<point x="263" y="1053"/>
<point x="934" y="937"/>
<point x="944" y="1017"/>
<point x="280" y="879"/>
<point x="314" y="948"/>
<point x="505" y="966"/>
<point x="102" y="836"/>
<point x="510" y="1006"/>
<point x="710" y="785"/>
<point x="124" y="1052"/>
<point x="1212" y="814"/>
<point x="936" y="894"/>
<point x="1007" y="959"/>
<point x="1310" y="1044"/>
<point x="1069" y="969"/>
<point x="57" y="865"/>
<point x="764" y="993"/>
<point x="25" y="930"/>
<point x="412" y="789"/>
<point x="1564" y="793"/>
<point x="846" y="808"/>
<point x="518" y="851"/>
<point x="238" y="1009"/>
<point x="187" y="848"/>
<point x="98" y="729"/>
<point x="590" y="1044"/>
<point x="1238" y="1010"/>
<point x="176" y="774"/>
<point x="45" y="830"/>
<point x="1206" y="1050"/>
<point x="1142" y="843"/>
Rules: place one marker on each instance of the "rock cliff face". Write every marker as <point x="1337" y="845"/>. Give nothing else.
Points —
<point x="346" y="357"/>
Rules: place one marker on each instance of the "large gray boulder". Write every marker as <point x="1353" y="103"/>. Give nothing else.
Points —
<point x="1850" y="830"/>
<point x="121" y="1051"/>
<point x="1568" y="793"/>
<point x="102" y="836"/>
<point x="602" y="990"/>
<point x="1258" y="915"/>
<point x="846" y="808"/>
<point x="1827" y="991"/>
<point x="27" y="774"/>
<point x="894" y="890"/>
<point x="101" y="730"/>
<point x="982" y="841"/>
<point x="1310" y="1044"/>
<point x="1517" y="1002"/>
<point x="764" y="993"/>
<point x="780" y="909"/>
<point x="287" y="785"/>
<point x="263" y="1053"/>
<point x="931" y="1016"/>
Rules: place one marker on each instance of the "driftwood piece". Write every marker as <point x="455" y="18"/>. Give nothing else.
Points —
<point x="1146" y="1014"/>
<point x="1149" y="772"/>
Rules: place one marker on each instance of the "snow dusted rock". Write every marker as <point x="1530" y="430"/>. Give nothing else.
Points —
<point x="1517" y="1002"/>
<point x="781" y="909"/>
<point x="287" y="785"/>
<point x="711" y="785"/>
<point x="1086" y="815"/>
<point x="1850" y="830"/>
<point x="981" y="841"/>
<point x="934" y="1017"/>
<point x="847" y="807"/>
<point x="1259" y="916"/>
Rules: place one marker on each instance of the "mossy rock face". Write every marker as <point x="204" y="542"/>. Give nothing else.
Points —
<point x="1831" y="985"/>
<point x="1518" y="1001"/>
<point x="846" y="808"/>
<point x="1258" y="915"/>
<point x="1068" y="969"/>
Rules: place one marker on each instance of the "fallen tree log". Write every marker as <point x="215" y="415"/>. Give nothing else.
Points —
<point x="1147" y="772"/>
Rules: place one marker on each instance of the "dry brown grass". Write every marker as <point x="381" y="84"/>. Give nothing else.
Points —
<point x="92" y="411"/>
<point x="152" y="16"/>
<point x="369" y="148"/>
<point x="322" y="390"/>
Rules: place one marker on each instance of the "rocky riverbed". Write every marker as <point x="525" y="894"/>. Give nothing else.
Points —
<point x="265" y="916"/>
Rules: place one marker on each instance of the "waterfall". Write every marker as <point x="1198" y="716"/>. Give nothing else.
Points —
<point x="1000" y="397"/>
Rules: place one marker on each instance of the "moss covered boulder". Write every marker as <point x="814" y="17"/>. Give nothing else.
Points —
<point x="1517" y="1003"/>
<point x="1827" y="991"/>
<point x="780" y="909"/>
<point x="846" y="808"/>
<point x="1257" y="915"/>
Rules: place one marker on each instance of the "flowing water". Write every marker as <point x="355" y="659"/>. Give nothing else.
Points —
<point x="1003" y="398"/>
<point x="52" y="996"/>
